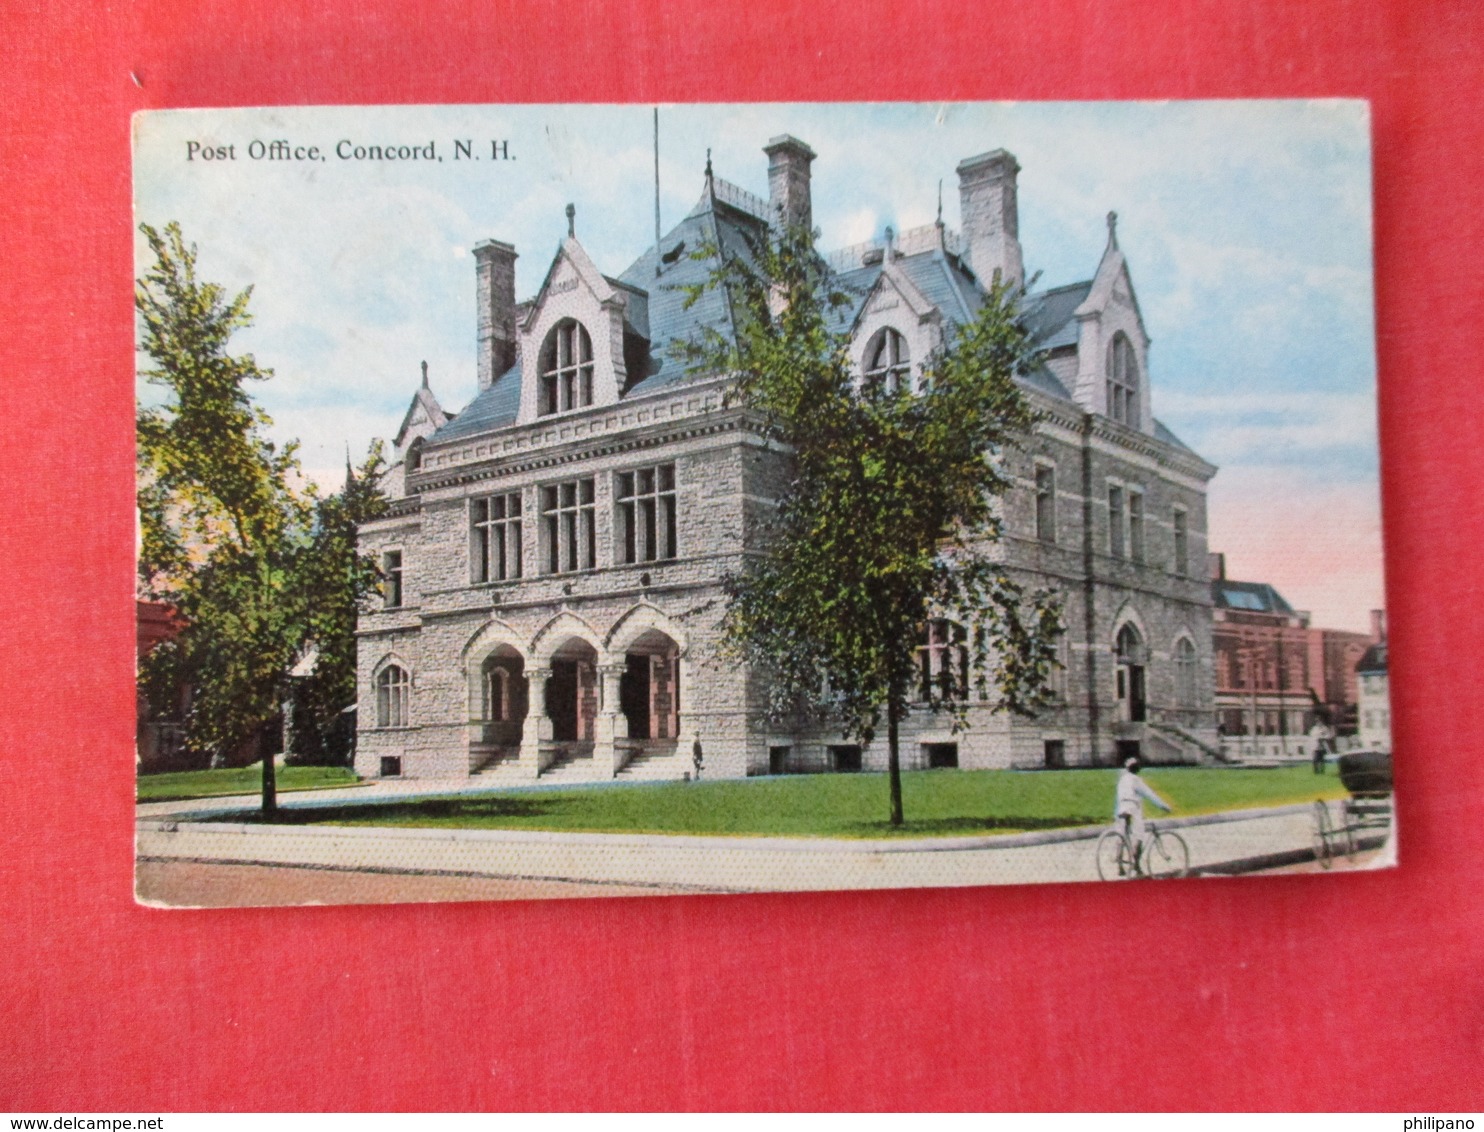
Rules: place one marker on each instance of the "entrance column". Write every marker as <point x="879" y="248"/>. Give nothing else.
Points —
<point x="537" y="728"/>
<point x="611" y="723"/>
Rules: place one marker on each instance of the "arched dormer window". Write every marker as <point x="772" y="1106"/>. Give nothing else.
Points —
<point x="392" y="685"/>
<point x="887" y="361"/>
<point x="1123" y="381"/>
<point x="566" y="369"/>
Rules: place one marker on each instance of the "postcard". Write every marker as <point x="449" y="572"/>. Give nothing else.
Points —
<point x="558" y="501"/>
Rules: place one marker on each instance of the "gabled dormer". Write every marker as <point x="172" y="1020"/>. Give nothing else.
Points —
<point x="423" y="418"/>
<point x="1112" y="345"/>
<point x="897" y="328"/>
<point x="582" y="341"/>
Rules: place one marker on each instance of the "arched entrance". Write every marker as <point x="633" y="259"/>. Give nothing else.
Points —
<point x="572" y="691"/>
<point x="649" y="688"/>
<point x="1131" y="658"/>
<point x="499" y="699"/>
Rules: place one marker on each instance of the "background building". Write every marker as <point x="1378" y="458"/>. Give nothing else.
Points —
<point x="555" y="551"/>
<point x="1276" y="675"/>
<point x="1375" y="699"/>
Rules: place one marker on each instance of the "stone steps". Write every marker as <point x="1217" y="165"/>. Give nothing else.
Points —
<point x="656" y="766"/>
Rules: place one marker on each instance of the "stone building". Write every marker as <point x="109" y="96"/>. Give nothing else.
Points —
<point x="554" y="551"/>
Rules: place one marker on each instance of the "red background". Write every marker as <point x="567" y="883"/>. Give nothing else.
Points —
<point x="1359" y="991"/>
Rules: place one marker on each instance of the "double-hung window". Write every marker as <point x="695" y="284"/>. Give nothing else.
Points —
<point x="646" y="514"/>
<point x="568" y="520"/>
<point x="1182" y="544"/>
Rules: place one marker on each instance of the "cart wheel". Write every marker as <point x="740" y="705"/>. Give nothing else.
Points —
<point x="1166" y="855"/>
<point x="1113" y="856"/>
<point x="1324" y="830"/>
<point x="1353" y="817"/>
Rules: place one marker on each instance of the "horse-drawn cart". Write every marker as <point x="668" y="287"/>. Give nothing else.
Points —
<point x="1339" y="827"/>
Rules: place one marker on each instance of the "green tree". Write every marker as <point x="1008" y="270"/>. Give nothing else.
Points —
<point x="335" y="579"/>
<point x="260" y="568"/>
<point x="889" y="520"/>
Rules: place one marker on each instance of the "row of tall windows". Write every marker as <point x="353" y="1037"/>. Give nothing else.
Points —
<point x="645" y="525"/>
<point x="1126" y="525"/>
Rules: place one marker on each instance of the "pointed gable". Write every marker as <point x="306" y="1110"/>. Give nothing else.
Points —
<point x="1112" y="345"/>
<point x="423" y="418"/>
<point x="580" y="337"/>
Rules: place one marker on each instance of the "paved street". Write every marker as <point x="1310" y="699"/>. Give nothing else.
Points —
<point x="332" y="864"/>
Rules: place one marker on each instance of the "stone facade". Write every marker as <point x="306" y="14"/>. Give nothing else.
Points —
<point x="560" y="544"/>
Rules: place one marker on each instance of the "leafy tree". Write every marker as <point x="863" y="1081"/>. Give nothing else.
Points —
<point x="889" y="520"/>
<point x="335" y="578"/>
<point x="259" y="568"/>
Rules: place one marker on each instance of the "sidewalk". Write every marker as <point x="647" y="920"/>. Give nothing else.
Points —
<point x="1219" y="843"/>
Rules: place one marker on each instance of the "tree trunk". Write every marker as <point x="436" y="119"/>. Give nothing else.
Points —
<point x="270" y="778"/>
<point x="893" y="760"/>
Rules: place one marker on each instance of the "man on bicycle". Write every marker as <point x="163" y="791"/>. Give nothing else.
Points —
<point x="1128" y="809"/>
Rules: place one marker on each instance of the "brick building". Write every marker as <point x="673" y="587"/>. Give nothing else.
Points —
<point x="554" y="552"/>
<point x="1277" y="675"/>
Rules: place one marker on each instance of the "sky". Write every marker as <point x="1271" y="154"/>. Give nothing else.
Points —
<point x="1246" y="226"/>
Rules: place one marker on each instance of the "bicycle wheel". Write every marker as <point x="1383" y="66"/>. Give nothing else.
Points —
<point x="1324" y="832"/>
<point x="1113" y="856"/>
<point x="1166" y="854"/>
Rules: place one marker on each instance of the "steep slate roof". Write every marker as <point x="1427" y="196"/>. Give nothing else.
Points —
<point x="494" y="407"/>
<point x="1248" y="597"/>
<point x="1373" y="662"/>
<point x="732" y="219"/>
<point x="713" y="223"/>
<point x="1048" y="314"/>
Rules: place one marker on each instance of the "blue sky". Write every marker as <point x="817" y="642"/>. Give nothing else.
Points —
<point x="1247" y="226"/>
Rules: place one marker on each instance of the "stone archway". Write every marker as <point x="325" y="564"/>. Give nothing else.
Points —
<point x="649" y="686"/>
<point x="499" y="697"/>
<point x="571" y="691"/>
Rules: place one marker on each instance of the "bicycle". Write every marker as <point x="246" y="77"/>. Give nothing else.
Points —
<point x="1164" y="854"/>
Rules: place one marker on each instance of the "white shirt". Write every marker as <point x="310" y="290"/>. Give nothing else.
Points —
<point x="1130" y="789"/>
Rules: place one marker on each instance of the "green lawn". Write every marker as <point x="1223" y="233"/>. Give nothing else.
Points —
<point x="937" y="803"/>
<point x="178" y="785"/>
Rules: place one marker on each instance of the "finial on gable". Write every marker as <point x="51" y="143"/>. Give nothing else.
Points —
<point x="891" y="241"/>
<point x="571" y="221"/>
<point x="425" y="375"/>
<point x="939" y="221"/>
<point x="1113" y="229"/>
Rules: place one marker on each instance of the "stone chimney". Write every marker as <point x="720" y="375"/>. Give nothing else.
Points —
<point x="788" y="182"/>
<point x="494" y="265"/>
<point x="1378" y="625"/>
<point x="1216" y="566"/>
<point x="990" y="215"/>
